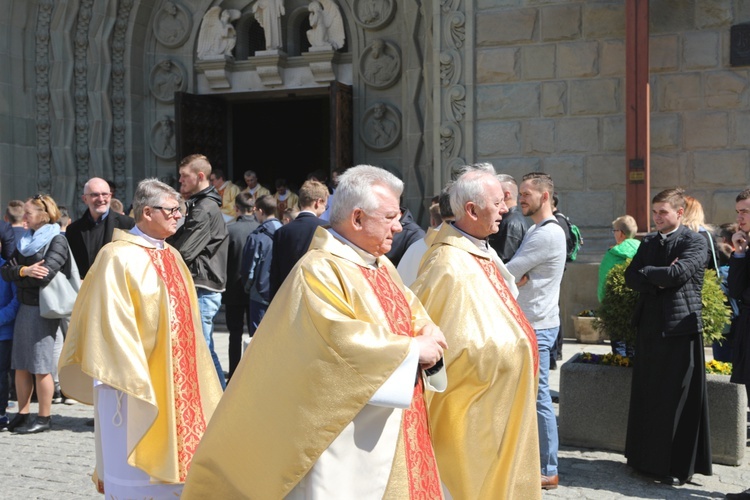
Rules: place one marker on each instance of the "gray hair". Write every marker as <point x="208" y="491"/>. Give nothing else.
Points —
<point x="151" y="192"/>
<point x="469" y="187"/>
<point x="355" y="190"/>
<point x="483" y="167"/>
<point x="509" y="184"/>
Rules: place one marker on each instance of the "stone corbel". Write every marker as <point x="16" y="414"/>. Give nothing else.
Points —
<point x="216" y="71"/>
<point x="320" y="61"/>
<point x="269" y="64"/>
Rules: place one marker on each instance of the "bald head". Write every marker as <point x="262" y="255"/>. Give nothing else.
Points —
<point x="96" y="196"/>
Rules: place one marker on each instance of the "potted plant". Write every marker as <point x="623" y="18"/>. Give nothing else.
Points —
<point x="585" y="329"/>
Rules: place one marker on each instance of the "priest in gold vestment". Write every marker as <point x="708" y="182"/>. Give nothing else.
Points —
<point x="328" y="400"/>
<point x="135" y="350"/>
<point x="484" y="425"/>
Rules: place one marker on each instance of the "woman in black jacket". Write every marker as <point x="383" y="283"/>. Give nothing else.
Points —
<point x="40" y="254"/>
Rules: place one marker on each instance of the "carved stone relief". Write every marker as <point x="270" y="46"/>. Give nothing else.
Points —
<point x="218" y="36"/>
<point x="450" y="67"/>
<point x="456" y="103"/>
<point x="41" y="65"/>
<point x="450" y="140"/>
<point x="163" y="139"/>
<point x="167" y="77"/>
<point x="373" y="14"/>
<point x="455" y="30"/>
<point x="381" y="127"/>
<point x="172" y="25"/>
<point x="81" y="45"/>
<point x="326" y="25"/>
<point x="119" y="95"/>
<point x="380" y="64"/>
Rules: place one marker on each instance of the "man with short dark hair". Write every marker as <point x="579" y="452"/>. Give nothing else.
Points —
<point x="291" y="242"/>
<point x="202" y="240"/>
<point x="668" y="430"/>
<point x="95" y="228"/>
<point x="228" y="192"/>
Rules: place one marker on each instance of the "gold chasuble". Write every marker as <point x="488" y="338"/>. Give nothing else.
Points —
<point x="335" y="332"/>
<point x="484" y="426"/>
<point x="136" y="328"/>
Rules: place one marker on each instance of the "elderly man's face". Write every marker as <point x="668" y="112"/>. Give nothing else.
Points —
<point x="160" y="221"/>
<point x="251" y="181"/>
<point x="96" y="196"/>
<point x="378" y="226"/>
<point x="490" y="216"/>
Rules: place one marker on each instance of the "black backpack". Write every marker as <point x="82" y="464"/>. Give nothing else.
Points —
<point x="573" y="238"/>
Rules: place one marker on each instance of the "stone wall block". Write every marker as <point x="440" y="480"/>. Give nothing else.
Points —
<point x="561" y="22"/>
<point x="719" y="168"/>
<point x="517" y="167"/>
<point x="613" y="133"/>
<point x="721" y="208"/>
<point x="606" y="171"/>
<point x="554" y="99"/>
<point x="538" y="62"/>
<point x="513" y="100"/>
<point x="612" y="61"/>
<point x="665" y="131"/>
<point x="567" y="171"/>
<point x="741" y="129"/>
<point x="706" y="130"/>
<point x="663" y="53"/>
<point x="595" y="97"/>
<point x="491" y="4"/>
<point x="727" y="89"/>
<point x="667" y="171"/>
<point x="497" y="65"/>
<point x="577" y="135"/>
<point x="601" y="20"/>
<point x="577" y="59"/>
<point x="714" y="13"/>
<point x="504" y="27"/>
<point x="679" y="92"/>
<point x="700" y="50"/>
<point x="579" y="206"/>
<point x="538" y="136"/>
<point x="499" y="138"/>
<point x="670" y="16"/>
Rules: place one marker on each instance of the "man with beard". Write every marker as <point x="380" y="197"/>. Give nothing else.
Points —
<point x="538" y="266"/>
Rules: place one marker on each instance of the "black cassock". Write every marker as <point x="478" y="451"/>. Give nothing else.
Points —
<point x="668" y="427"/>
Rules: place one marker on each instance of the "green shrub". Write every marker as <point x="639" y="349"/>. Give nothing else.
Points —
<point x="616" y="310"/>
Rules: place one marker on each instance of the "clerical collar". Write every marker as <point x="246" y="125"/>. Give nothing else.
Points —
<point x="253" y="190"/>
<point x="481" y="244"/>
<point x="369" y="258"/>
<point x="284" y="196"/>
<point x="100" y="219"/>
<point x="157" y="243"/>
<point x="664" y="236"/>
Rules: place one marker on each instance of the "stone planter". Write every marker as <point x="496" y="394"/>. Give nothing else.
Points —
<point x="586" y="332"/>
<point x="594" y="403"/>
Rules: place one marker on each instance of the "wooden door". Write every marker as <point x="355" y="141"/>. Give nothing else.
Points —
<point x="341" y="126"/>
<point x="202" y="127"/>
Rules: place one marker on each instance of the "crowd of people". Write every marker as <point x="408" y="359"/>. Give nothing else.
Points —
<point x="384" y="360"/>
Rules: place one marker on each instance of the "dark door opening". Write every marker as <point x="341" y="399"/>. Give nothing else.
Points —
<point x="280" y="139"/>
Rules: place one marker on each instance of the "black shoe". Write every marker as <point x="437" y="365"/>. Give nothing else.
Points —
<point x="18" y="421"/>
<point x="742" y="494"/>
<point x="40" y="424"/>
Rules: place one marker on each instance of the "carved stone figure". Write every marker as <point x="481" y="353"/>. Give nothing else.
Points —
<point x="167" y="77"/>
<point x="380" y="64"/>
<point x="162" y="138"/>
<point x="172" y="25"/>
<point x="217" y="36"/>
<point x="373" y="14"/>
<point x="327" y="26"/>
<point x="268" y="14"/>
<point x="382" y="127"/>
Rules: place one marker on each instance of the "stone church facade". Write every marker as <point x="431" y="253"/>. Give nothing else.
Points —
<point x="118" y="89"/>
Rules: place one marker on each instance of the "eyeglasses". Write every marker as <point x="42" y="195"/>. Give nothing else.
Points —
<point x="169" y="211"/>
<point x="97" y="195"/>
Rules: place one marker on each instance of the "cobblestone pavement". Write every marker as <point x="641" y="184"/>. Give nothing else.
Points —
<point x="58" y="464"/>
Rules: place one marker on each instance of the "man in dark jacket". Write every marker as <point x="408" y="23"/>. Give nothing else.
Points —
<point x="202" y="240"/>
<point x="410" y="233"/>
<point x="94" y="229"/>
<point x="514" y="225"/>
<point x="739" y="289"/>
<point x="257" y="258"/>
<point x="236" y="300"/>
<point x="668" y="433"/>
<point x="291" y="242"/>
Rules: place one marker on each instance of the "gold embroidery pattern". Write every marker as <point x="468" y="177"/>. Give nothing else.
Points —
<point x="498" y="282"/>
<point x="190" y="420"/>
<point x="424" y="481"/>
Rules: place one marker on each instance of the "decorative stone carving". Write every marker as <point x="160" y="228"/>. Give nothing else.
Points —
<point x="167" y="77"/>
<point x="456" y="30"/>
<point x="456" y="103"/>
<point x="449" y="5"/>
<point x="455" y="168"/>
<point x="268" y="14"/>
<point x="450" y="140"/>
<point x="320" y="61"/>
<point x="119" y="96"/>
<point x="41" y="66"/>
<point x="373" y="14"/>
<point x="450" y="68"/>
<point x="217" y="72"/>
<point x="172" y="25"/>
<point x="217" y="36"/>
<point x="268" y="64"/>
<point x="163" y="139"/>
<point x="327" y="26"/>
<point x="381" y="127"/>
<point x="380" y="64"/>
<point x="81" y="95"/>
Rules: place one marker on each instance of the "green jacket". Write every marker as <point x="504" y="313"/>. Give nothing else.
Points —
<point x="615" y="255"/>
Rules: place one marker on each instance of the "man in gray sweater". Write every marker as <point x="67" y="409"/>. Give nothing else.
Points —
<point x="538" y="267"/>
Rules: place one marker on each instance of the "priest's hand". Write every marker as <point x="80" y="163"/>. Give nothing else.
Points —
<point x="431" y="344"/>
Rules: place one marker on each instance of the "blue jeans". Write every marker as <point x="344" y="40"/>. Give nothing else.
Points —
<point x="257" y="311"/>
<point x="545" y="412"/>
<point x="6" y="346"/>
<point x="209" y="303"/>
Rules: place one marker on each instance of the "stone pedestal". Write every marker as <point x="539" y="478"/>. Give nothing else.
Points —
<point x="270" y="64"/>
<point x="320" y="61"/>
<point x="216" y="71"/>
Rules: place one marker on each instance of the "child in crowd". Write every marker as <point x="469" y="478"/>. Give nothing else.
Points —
<point x="8" y="309"/>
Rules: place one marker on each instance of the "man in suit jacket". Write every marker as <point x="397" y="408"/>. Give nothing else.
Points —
<point x="236" y="300"/>
<point x="291" y="242"/>
<point x="94" y="229"/>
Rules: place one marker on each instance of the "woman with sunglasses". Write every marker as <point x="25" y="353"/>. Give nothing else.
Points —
<point x="40" y="254"/>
